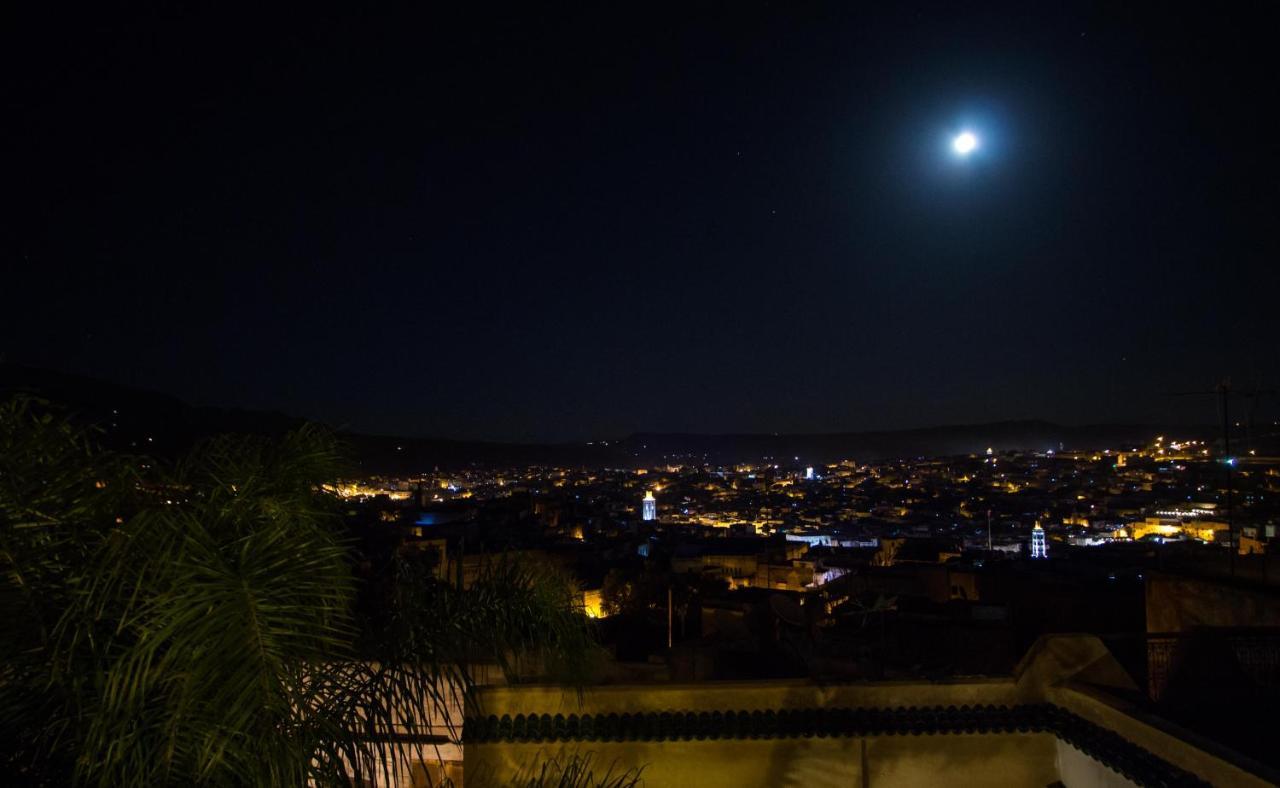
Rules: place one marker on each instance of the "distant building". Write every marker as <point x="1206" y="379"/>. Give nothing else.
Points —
<point x="1038" y="547"/>
<point x="1181" y="525"/>
<point x="808" y="473"/>
<point x="649" y="507"/>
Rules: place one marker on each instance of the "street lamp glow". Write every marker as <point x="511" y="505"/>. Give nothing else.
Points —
<point x="965" y="143"/>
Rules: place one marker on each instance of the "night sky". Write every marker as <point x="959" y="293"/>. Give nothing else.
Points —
<point x="601" y="219"/>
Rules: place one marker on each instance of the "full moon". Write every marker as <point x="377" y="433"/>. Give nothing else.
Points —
<point x="965" y="143"/>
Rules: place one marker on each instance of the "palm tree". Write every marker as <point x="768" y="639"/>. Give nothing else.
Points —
<point x="577" y="771"/>
<point x="196" y="624"/>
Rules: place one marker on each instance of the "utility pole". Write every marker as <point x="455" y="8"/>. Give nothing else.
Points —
<point x="670" y="616"/>
<point x="462" y="551"/>
<point x="1224" y="389"/>
<point x="988" y="531"/>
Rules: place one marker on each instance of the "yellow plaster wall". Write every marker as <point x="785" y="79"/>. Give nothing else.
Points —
<point x="1003" y="759"/>
<point x="970" y="760"/>
<point x="996" y="760"/>
<point x="744" y="696"/>
<point x="1176" y="746"/>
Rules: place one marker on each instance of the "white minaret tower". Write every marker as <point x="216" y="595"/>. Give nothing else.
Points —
<point x="1038" y="547"/>
<point x="649" y="507"/>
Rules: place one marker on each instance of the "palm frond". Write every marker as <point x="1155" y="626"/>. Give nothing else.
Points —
<point x="195" y="626"/>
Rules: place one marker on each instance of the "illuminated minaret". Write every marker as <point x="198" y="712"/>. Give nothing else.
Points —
<point x="649" y="510"/>
<point x="1038" y="548"/>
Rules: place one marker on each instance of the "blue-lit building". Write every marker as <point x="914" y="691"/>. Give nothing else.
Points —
<point x="1038" y="547"/>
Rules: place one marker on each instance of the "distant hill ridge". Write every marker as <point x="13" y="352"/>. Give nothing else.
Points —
<point x="164" y="425"/>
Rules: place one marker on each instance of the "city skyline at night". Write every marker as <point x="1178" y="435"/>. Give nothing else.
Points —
<point x="608" y="395"/>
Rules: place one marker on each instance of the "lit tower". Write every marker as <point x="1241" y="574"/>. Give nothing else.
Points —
<point x="649" y="507"/>
<point x="1038" y="548"/>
